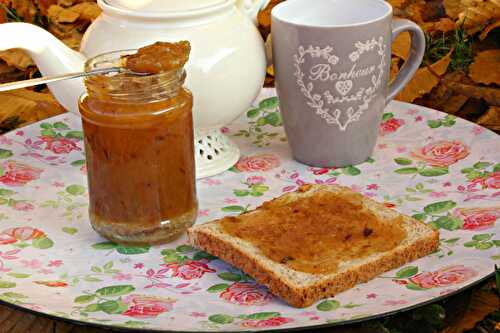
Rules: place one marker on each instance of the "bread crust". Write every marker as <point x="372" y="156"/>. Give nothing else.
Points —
<point x="327" y="286"/>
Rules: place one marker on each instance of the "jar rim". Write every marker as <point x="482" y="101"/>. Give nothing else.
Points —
<point x="121" y="87"/>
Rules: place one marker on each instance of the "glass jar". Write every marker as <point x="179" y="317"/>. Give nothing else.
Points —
<point x="139" y="152"/>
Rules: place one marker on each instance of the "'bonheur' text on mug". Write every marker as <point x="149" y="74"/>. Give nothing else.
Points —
<point x="332" y="60"/>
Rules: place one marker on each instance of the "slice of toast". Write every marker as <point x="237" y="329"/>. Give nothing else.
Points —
<point x="301" y="289"/>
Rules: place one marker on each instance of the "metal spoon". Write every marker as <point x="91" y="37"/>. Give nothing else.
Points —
<point x="48" y="79"/>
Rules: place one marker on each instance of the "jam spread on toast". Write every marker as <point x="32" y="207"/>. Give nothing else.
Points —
<point x="314" y="234"/>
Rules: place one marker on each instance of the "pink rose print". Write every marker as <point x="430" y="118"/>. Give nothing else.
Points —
<point x="320" y="171"/>
<point x="143" y="306"/>
<point x="450" y="275"/>
<point x="477" y="218"/>
<point x="32" y="264"/>
<point x="22" y="233"/>
<point x="260" y="162"/>
<point x="390" y="126"/>
<point x="271" y="322"/>
<point x="203" y="212"/>
<point x="55" y="263"/>
<point x="122" y="277"/>
<point x="491" y="181"/>
<point x="6" y="239"/>
<point x="60" y="145"/>
<point x="442" y="153"/>
<point x="437" y="194"/>
<point x="189" y="270"/>
<point x="246" y="293"/>
<point x="18" y="174"/>
<point x="255" y="180"/>
<point x="22" y="206"/>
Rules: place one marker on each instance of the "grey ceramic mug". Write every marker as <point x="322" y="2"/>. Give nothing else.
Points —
<point x="332" y="59"/>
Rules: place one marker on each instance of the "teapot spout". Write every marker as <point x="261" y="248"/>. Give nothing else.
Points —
<point x="50" y="55"/>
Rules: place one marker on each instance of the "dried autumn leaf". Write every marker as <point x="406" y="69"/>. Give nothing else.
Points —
<point x="394" y="68"/>
<point x="24" y="9"/>
<point x="482" y="303"/>
<point x="489" y="95"/>
<point x="424" y="80"/>
<point x="416" y="10"/>
<point x="59" y="14"/>
<point x="453" y="8"/>
<point x="477" y="13"/>
<point x="472" y="14"/>
<point x="9" y="73"/>
<point x="264" y="17"/>
<point x="28" y="106"/>
<point x="43" y="5"/>
<point x="397" y="4"/>
<point x="485" y="67"/>
<point x="3" y="15"/>
<point x="488" y="29"/>
<point x="87" y="11"/>
<point x="444" y="24"/>
<point x="17" y="58"/>
<point x="454" y="103"/>
<point x="66" y="3"/>
<point x="401" y="45"/>
<point x="491" y="118"/>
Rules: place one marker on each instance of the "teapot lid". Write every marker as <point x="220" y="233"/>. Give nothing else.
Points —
<point x="162" y="5"/>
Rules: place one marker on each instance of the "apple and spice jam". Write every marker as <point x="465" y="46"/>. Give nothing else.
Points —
<point x="139" y="146"/>
<point x="314" y="234"/>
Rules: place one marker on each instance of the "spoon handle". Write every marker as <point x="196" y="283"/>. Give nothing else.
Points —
<point x="48" y="79"/>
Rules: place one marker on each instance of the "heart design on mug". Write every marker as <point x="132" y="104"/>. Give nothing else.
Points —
<point x="344" y="81"/>
<point x="343" y="87"/>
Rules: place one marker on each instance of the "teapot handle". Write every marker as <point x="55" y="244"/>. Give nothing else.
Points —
<point x="251" y="7"/>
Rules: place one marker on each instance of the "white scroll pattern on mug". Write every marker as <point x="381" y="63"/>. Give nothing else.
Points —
<point x="344" y="81"/>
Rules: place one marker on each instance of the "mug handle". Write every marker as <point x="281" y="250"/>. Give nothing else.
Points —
<point x="411" y="65"/>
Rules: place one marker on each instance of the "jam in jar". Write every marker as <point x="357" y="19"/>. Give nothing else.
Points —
<point x="139" y="146"/>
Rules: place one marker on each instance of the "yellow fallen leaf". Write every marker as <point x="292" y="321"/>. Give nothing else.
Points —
<point x="444" y="24"/>
<point x="454" y="103"/>
<point x="483" y="302"/>
<point x="66" y="3"/>
<point x="3" y="15"/>
<point x="416" y="11"/>
<point x="59" y="14"/>
<point x="401" y="45"/>
<point x="485" y="68"/>
<point x="453" y="8"/>
<point x="491" y="118"/>
<point x="424" y="80"/>
<point x="17" y="58"/>
<point x="473" y="15"/>
<point x="29" y="106"/>
<point x="488" y="29"/>
<point x="87" y="11"/>
<point x="394" y="68"/>
<point x="10" y="73"/>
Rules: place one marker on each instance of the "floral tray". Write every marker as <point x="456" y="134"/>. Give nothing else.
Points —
<point x="441" y="170"/>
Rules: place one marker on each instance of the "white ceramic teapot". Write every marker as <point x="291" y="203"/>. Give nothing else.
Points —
<point x="226" y="68"/>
